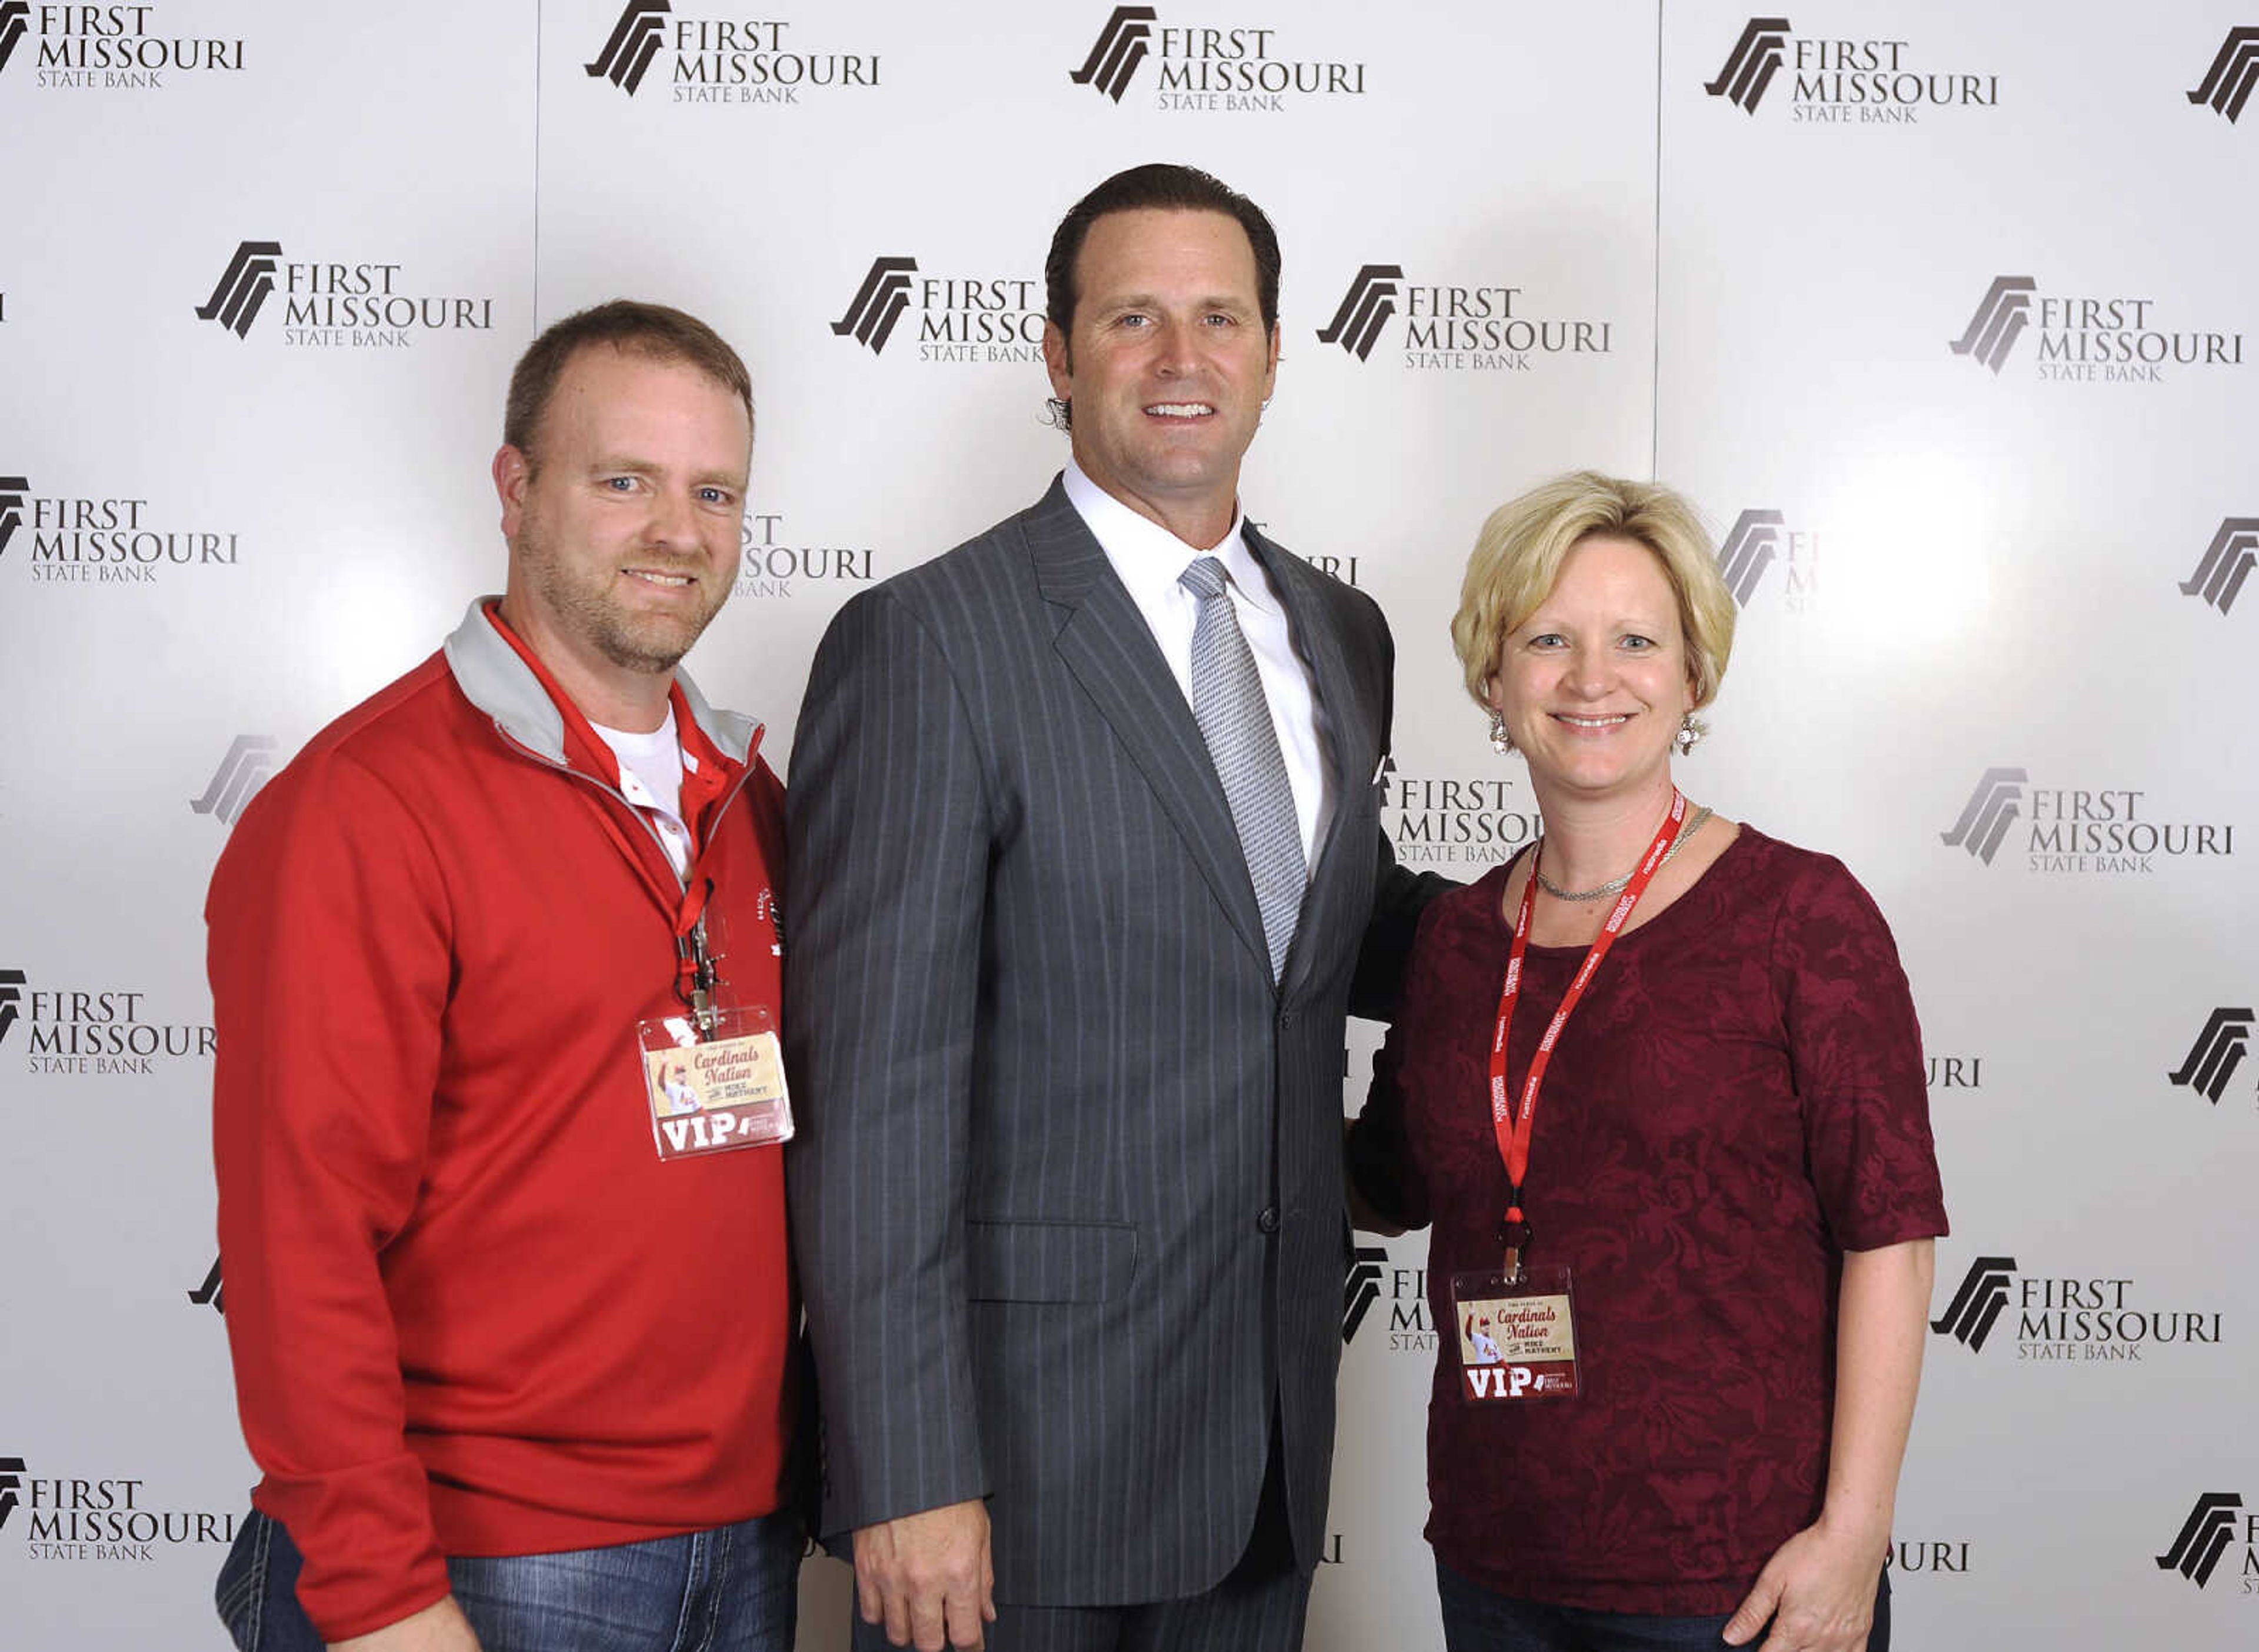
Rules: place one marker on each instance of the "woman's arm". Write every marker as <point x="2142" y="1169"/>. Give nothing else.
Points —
<point x="1819" y="1587"/>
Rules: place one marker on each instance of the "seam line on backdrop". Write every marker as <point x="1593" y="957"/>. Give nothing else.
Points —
<point x="1655" y="365"/>
<point x="538" y="161"/>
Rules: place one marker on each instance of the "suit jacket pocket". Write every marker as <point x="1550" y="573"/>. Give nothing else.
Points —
<point x="1049" y="1261"/>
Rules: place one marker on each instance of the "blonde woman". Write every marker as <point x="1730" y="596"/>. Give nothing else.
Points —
<point x="1658" y="1087"/>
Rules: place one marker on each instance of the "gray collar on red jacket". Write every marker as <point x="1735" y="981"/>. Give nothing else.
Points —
<point x="495" y="680"/>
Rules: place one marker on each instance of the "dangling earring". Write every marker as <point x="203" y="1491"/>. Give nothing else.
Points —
<point x="1500" y="742"/>
<point x="1689" y="735"/>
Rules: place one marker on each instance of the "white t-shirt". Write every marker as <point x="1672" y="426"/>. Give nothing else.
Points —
<point x="651" y="777"/>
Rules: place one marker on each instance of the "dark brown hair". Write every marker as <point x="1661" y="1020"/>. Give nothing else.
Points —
<point x="654" y="331"/>
<point x="1158" y="187"/>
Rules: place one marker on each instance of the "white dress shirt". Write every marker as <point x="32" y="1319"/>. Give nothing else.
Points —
<point x="1149" y="558"/>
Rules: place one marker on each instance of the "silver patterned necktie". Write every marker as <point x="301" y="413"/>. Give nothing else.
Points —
<point x="1235" y="720"/>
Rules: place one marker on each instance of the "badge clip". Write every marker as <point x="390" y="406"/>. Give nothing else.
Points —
<point x="1514" y="1234"/>
<point x="697" y="969"/>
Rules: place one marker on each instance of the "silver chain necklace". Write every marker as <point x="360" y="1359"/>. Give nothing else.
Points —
<point x="1624" y="882"/>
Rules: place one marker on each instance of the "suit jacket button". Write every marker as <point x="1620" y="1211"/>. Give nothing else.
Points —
<point x="1268" y="1222"/>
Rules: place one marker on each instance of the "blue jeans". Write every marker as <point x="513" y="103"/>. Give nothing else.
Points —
<point x="731" y="1590"/>
<point x="1476" y="1621"/>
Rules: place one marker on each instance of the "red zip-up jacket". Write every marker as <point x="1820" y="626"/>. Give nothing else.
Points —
<point x="471" y="1311"/>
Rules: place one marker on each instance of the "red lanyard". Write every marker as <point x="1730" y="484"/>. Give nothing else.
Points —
<point x="695" y="975"/>
<point x="1513" y="1124"/>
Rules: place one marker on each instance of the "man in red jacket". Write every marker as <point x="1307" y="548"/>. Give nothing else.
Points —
<point x="461" y="949"/>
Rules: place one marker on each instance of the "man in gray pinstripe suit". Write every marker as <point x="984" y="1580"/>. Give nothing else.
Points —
<point x="1087" y="871"/>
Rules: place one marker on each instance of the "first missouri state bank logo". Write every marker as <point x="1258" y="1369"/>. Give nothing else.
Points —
<point x="95" y="1031"/>
<point x="636" y="40"/>
<point x="336" y="303"/>
<point x="1469" y="819"/>
<point x="12" y="999"/>
<point x="1362" y="1288"/>
<point x="1992" y="808"/>
<point x="2218" y="579"/>
<point x="74" y="1517"/>
<point x="12" y="27"/>
<point x="769" y="561"/>
<point x="1833" y="80"/>
<point x="2204" y="1538"/>
<point x="878" y="304"/>
<point x="248" y="765"/>
<point x="107" y="47"/>
<point x="1400" y="1293"/>
<point x="2113" y="829"/>
<point x="101" y="538"/>
<point x="244" y="285"/>
<point x="959" y="317"/>
<point x="2227" y="85"/>
<point x="1758" y="539"/>
<point x="1364" y="309"/>
<point x="2074" y="1318"/>
<point x="721" y="59"/>
<point x="2096" y="338"/>
<point x="1120" y="47"/>
<point x="2219" y="1049"/>
<point x="13" y="489"/>
<point x="1976" y="1305"/>
<point x="1460" y="326"/>
<point x="212" y="1293"/>
<point x="1748" y="551"/>
<point x="1756" y="57"/>
<point x="1236" y="67"/>
<point x="2000" y="319"/>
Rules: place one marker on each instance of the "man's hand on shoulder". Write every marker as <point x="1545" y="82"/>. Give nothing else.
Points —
<point x="926" y="1577"/>
<point x="440" y="1627"/>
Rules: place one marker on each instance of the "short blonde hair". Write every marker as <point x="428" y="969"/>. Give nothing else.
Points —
<point x="1518" y="556"/>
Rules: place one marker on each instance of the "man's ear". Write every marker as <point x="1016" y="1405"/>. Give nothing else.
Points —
<point x="512" y="471"/>
<point x="1058" y="360"/>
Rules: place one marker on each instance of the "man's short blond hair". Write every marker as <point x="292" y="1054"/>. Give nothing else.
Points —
<point x="1517" y="562"/>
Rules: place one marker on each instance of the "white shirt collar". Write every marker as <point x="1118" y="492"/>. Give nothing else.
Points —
<point x="1149" y="558"/>
<point x="626" y="743"/>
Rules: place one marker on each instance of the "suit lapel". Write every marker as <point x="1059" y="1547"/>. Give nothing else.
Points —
<point x="1105" y="642"/>
<point x="1345" y="725"/>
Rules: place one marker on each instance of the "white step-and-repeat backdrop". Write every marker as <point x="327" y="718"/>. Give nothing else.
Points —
<point x="1943" y="314"/>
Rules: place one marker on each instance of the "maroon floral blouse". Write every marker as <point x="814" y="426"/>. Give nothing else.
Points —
<point x="1738" y="1101"/>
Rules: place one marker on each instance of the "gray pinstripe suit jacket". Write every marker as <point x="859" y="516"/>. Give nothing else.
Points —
<point x="1067" y="1198"/>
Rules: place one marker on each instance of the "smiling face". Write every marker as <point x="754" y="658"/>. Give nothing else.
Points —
<point x="1167" y="366"/>
<point x="1594" y="684"/>
<point x="624" y="525"/>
